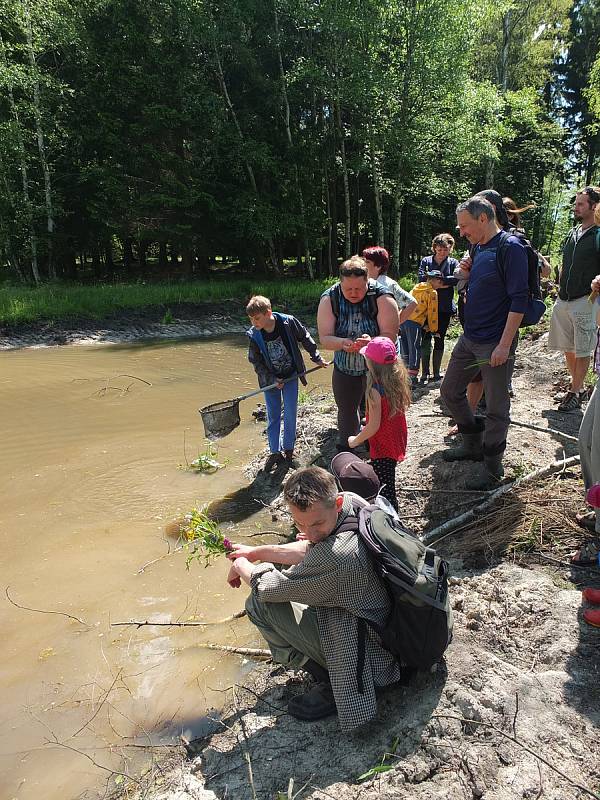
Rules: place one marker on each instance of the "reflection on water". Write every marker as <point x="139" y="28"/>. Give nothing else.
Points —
<point x="92" y="443"/>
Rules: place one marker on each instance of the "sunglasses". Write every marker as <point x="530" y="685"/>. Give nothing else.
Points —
<point x="592" y="194"/>
<point x="353" y="272"/>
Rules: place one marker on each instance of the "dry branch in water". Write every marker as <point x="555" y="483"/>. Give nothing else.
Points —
<point x="140" y="623"/>
<point x="251" y="652"/>
<point x="42" y="610"/>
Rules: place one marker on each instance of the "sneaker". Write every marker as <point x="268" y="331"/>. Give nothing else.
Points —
<point x="437" y="379"/>
<point x="592" y="617"/>
<point x="414" y="381"/>
<point x="570" y="402"/>
<point x="424" y="380"/>
<point x="592" y="596"/>
<point x="273" y="461"/>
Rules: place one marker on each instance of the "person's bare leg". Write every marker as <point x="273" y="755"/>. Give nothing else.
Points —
<point x="474" y="394"/>
<point x="579" y="372"/>
<point x="570" y="359"/>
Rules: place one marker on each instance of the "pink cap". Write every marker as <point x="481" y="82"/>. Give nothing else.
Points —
<point x="381" y="350"/>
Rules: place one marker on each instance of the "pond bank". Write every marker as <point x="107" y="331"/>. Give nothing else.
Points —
<point x="514" y="710"/>
<point x="178" y="321"/>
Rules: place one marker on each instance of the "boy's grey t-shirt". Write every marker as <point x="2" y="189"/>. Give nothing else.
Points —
<point x="279" y="353"/>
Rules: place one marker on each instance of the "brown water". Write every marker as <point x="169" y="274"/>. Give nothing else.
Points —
<point x="89" y="478"/>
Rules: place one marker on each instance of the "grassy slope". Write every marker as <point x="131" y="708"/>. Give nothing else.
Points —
<point x="19" y="304"/>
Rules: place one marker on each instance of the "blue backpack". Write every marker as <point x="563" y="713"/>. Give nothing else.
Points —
<point x="536" y="308"/>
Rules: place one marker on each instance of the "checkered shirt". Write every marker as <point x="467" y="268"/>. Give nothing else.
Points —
<point x="337" y="578"/>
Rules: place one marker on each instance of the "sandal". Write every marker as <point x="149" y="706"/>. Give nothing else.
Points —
<point x="587" y="556"/>
<point x="587" y="521"/>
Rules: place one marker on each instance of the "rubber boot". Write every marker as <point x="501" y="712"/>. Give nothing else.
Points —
<point x="471" y="448"/>
<point x="490" y="475"/>
<point x="425" y="355"/>
<point x="437" y="364"/>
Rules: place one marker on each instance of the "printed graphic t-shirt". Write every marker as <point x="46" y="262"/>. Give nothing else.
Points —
<point x="279" y="354"/>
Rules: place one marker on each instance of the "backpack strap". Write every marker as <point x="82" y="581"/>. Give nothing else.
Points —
<point x="334" y="299"/>
<point x="372" y="295"/>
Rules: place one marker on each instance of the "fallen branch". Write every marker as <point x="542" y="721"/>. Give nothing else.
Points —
<point x="544" y="430"/>
<point x="522" y="745"/>
<point x="439" y="533"/>
<point x="43" y="611"/>
<point x="251" y="652"/>
<point x="519" y="424"/>
<point x="160" y="558"/>
<point x="140" y="623"/>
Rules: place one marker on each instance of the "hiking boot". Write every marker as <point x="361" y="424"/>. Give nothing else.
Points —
<point x="318" y="672"/>
<point x="272" y="462"/>
<point x="471" y="448"/>
<point x="570" y="402"/>
<point x="488" y="478"/>
<point x="317" y="703"/>
<point x="592" y="617"/>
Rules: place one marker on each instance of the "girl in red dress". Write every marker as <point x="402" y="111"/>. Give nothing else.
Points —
<point x="388" y="397"/>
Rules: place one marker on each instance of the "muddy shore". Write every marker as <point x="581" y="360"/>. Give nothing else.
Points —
<point x="514" y="709"/>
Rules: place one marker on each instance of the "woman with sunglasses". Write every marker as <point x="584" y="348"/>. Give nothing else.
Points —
<point x="350" y="314"/>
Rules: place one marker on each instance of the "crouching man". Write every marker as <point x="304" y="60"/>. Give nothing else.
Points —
<point x="310" y="613"/>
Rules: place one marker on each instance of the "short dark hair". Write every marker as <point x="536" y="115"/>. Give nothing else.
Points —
<point x="475" y="206"/>
<point x="379" y="256"/>
<point x="308" y="486"/>
<point x="493" y="197"/>
<point x="442" y="240"/>
<point x="593" y="194"/>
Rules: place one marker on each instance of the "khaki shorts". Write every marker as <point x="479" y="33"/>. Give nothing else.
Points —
<point x="573" y="327"/>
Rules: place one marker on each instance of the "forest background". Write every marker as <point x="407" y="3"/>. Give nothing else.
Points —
<point x="160" y="140"/>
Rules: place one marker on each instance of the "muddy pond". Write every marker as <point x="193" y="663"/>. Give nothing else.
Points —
<point x="91" y="475"/>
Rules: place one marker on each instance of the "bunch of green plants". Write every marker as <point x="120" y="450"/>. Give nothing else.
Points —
<point x="205" y="538"/>
<point x="206" y="460"/>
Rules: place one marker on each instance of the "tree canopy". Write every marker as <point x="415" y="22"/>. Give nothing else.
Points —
<point x="141" y="139"/>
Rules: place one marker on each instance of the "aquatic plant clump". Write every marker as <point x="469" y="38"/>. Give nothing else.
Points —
<point x="205" y="539"/>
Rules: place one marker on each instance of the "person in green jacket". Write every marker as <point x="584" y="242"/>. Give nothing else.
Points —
<point x="572" y="326"/>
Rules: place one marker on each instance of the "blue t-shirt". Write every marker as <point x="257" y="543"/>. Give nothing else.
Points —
<point x="494" y="291"/>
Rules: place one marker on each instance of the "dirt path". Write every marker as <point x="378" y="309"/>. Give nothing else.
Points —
<point x="514" y="710"/>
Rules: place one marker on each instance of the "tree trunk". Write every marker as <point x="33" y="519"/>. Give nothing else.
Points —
<point x="288" y="131"/>
<point x="162" y="256"/>
<point x="348" y="228"/>
<point x="37" y="113"/>
<point x="24" y="174"/>
<point x="398" y="206"/>
<point x="504" y="54"/>
<point x="128" y="257"/>
<point x="143" y="250"/>
<point x="377" y="194"/>
<point x="247" y="164"/>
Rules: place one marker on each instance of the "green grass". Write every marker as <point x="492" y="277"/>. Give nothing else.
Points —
<point x="56" y="301"/>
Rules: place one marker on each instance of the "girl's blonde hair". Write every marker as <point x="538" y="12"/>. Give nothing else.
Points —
<point x="393" y="379"/>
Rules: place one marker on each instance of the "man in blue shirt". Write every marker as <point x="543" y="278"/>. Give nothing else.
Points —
<point x="496" y="300"/>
